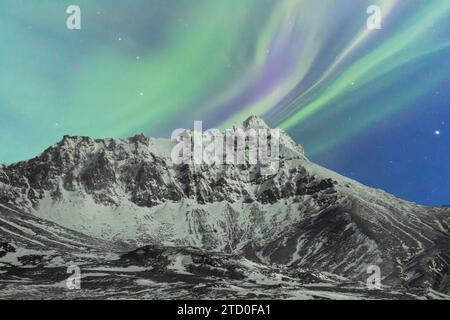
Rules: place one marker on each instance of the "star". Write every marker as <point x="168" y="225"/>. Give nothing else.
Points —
<point x="437" y="132"/>
<point x="120" y="39"/>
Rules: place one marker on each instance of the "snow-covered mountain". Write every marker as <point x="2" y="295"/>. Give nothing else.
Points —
<point x="129" y="193"/>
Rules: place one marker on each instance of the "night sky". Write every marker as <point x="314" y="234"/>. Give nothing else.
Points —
<point x="373" y="105"/>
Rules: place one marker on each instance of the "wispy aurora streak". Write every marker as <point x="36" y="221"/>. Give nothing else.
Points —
<point x="309" y="66"/>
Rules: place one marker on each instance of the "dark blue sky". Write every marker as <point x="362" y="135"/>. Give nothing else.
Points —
<point x="403" y="154"/>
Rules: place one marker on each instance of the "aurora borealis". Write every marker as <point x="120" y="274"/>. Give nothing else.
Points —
<point x="366" y="103"/>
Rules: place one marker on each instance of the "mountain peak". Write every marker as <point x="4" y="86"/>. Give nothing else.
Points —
<point x="254" y="122"/>
<point x="139" y="138"/>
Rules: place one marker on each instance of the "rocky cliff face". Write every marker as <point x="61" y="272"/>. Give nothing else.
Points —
<point x="129" y="193"/>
